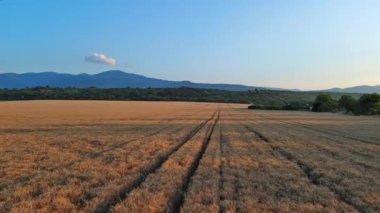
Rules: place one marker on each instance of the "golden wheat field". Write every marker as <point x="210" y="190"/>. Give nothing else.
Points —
<point x="99" y="156"/>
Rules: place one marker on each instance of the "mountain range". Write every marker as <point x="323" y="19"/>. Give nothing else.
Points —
<point x="357" y="89"/>
<point x="108" y="79"/>
<point x="120" y="79"/>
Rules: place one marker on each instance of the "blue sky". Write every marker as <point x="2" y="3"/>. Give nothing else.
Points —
<point x="306" y="44"/>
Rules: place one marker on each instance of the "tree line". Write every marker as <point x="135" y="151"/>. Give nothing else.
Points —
<point x="143" y="94"/>
<point x="279" y="99"/>
<point x="259" y="99"/>
<point x="367" y="104"/>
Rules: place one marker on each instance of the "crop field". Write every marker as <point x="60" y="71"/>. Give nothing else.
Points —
<point x="115" y="156"/>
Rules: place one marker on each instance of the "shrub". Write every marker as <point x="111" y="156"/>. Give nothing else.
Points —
<point x="376" y="109"/>
<point x="350" y="104"/>
<point x="370" y="104"/>
<point x="325" y="103"/>
<point x="264" y="107"/>
<point x="295" y="106"/>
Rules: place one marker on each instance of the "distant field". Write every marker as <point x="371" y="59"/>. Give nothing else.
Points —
<point x="102" y="156"/>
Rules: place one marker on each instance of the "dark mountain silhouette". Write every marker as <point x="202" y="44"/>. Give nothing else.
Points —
<point x="108" y="79"/>
<point x="120" y="79"/>
<point x="357" y="89"/>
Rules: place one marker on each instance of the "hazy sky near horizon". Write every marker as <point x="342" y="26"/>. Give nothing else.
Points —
<point x="305" y="44"/>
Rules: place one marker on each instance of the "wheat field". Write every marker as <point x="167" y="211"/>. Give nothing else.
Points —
<point x="115" y="156"/>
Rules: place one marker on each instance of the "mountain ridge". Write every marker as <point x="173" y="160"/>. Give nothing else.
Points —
<point x="107" y="79"/>
<point x="121" y="79"/>
<point x="357" y="89"/>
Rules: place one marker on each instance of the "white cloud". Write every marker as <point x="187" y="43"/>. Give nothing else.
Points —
<point x="100" y="59"/>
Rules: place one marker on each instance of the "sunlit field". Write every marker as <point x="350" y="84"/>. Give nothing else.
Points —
<point x="115" y="156"/>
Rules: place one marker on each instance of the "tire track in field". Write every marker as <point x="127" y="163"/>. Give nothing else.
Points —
<point x="180" y="195"/>
<point x="315" y="177"/>
<point x="335" y="134"/>
<point x="338" y="141"/>
<point x="122" y="194"/>
<point x="237" y="188"/>
<point x="221" y="167"/>
<point x="115" y="146"/>
<point x="306" y="126"/>
<point x="333" y="154"/>
<point x="197" y="197"/>
<point x="24" y="180"/>
<point x="41" y="174"/>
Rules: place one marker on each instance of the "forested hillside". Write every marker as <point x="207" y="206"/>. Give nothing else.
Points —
<point x="260" y="97"/>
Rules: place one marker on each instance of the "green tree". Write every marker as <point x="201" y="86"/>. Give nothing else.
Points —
<point x="325" y="103"/>
<point x="349" y="103"/>
<point x="370" y="104"/>
<point x="296" y="106"/>
<point x="376" y="109"/>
